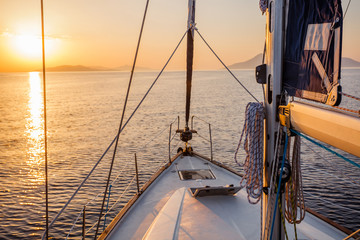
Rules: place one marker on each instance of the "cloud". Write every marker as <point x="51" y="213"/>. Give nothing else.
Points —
<point x="6" y="34"/>
<point x="56" y="37"/>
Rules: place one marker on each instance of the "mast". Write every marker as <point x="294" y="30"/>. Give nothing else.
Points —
<point x="186" y="134"/>
<point x="189" y="58"/>
<point x="274" y="59"/>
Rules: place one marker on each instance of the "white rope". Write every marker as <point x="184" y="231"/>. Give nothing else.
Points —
<point x="122" y="194"/>
<point x="253" y="145"/>
<point x="79" y="187"/>
<point x="117" y="201"/>
<point x="72" y="227"/>
<point x="155" y="137"/>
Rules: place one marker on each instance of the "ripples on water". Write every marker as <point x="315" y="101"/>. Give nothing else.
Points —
<point x="84" y="109"/>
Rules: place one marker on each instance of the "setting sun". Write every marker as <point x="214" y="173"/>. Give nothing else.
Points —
<point x="30" y="46"/>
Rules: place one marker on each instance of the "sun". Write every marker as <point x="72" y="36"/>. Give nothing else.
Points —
<point x="30" y="46"/>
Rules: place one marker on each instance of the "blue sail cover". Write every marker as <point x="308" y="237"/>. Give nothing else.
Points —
<point x="313" y="50"/>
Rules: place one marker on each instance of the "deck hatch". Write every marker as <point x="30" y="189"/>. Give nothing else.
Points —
<point x="214" y="191"/>
<point x="196" y="174"/>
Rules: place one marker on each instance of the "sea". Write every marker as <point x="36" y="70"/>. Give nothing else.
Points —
<point x="84" y="110"/>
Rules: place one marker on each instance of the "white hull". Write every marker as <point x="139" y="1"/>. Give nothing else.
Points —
<point x="167" y="210"/>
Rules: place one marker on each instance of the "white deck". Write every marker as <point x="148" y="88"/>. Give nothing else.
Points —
<point x="167" y="210"/>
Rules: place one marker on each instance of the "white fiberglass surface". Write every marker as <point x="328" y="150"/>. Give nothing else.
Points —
<point x="210" y="217"/>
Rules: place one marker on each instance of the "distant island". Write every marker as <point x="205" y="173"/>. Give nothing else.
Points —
<point x="257" y="60"/>
<point x="249" y="64"/>
<point x="349" y="62"/>
<point x="80" y="68"/>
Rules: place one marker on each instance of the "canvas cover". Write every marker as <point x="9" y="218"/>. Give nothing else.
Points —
<point x="312" y="57"/>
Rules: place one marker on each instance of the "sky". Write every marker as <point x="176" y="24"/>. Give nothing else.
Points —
<point x="105" y="33"/>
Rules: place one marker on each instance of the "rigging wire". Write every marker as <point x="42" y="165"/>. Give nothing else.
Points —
<point x="124" y="191"/>
<point x="269" y="210"/>
<point x="127" y="187"/>
<point x="137" y="107"/>
<point x="152" y="85"/>
<point x="350" y="96"/>
<point x="81" y="184"/>
<point x="347" y="110"/>
<point x="226" y="66"/>
<point x="326" y="148"/>
<point x="45" y="122"/>
<point x="347" y="7"/>
<point x="337" y="107"/>
<point x="72" y="227"/>
<point x="156" y="136"/>
<point x="122" y="117"/>
<point x="283" y="221"/>
<point x="351" y="210"/>
<point x="271" y="188"/>
<point x="279" y="186"/>
<point x="348" y="180"/>
<point x="119" y="198"/>
<point x="113" y="141"/>
<point x="94" y="198"/>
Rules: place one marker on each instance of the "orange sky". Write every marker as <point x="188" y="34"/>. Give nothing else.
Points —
<point x="104" y="33"/>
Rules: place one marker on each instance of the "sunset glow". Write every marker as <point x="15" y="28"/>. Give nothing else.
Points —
<point x="30" y="46"/>
<point x="35" y="127"/>
<point x="99" y="34"/>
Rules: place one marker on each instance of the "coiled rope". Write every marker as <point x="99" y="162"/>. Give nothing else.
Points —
<point x="252" y="132"/>
<point x="294" y="194"/>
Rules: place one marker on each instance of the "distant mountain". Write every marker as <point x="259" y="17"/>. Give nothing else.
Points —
<point x="349" y="62"/>
<point x="255" y="61"/>
<point x="128" y="68"/>
<point x="70" y="68"/>
<point x="78" y="68"/>
<point x="249" y="64"/>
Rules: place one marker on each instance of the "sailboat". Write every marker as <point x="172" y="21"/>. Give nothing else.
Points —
<point x="196" y="197"/>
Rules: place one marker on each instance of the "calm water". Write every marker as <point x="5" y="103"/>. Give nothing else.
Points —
<point x="84" y="109"/>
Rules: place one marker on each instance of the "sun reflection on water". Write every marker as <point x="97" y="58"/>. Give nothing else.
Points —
<point x="35" y="129"/>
